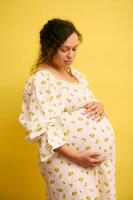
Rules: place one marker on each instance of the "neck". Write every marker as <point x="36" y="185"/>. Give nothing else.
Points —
<point x="64" y="70"/>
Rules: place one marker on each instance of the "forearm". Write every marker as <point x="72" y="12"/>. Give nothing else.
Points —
<point x="67" y="151"/>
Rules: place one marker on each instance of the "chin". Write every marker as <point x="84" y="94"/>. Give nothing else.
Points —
<point x="68" y="64"/>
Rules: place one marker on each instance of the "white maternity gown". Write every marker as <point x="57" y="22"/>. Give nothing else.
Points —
<point x="52" y="115"/>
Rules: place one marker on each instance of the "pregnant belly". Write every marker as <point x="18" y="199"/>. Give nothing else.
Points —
<point x="83" y="133"/>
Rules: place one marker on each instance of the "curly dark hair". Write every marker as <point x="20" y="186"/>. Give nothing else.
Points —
<point x="52" y="36"/>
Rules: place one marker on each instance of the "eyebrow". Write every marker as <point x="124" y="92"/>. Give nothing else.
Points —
<point x="68" y="46"/>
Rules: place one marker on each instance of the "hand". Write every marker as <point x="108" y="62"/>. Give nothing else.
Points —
<point x="95" y="109"/>
<point x="89" y="159"/>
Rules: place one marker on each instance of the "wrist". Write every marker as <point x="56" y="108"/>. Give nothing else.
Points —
<point x="75" y="157"/>
<point x="68" y="152"/>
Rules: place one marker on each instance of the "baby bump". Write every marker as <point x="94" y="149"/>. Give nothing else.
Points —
<point x="83" y="133"/>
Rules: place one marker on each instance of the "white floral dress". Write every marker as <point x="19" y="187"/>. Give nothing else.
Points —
<point x="51" y="114"/>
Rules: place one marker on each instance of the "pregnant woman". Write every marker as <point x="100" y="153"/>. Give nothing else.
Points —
<point x="59" y="111"/>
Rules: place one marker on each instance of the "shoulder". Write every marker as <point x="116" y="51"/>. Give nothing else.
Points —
<point x="41" y="77"/>
<point x="38" y="80"/>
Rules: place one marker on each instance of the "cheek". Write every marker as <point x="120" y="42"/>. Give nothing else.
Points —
<point x="74" y="54"/>
<point x="58" y="58"/>
<point x="62" y="56"/>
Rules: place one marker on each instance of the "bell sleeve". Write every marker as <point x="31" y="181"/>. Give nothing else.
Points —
<point x="40" y="114"/>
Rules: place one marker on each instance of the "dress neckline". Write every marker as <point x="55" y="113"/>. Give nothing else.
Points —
<point x="63" y="81"/>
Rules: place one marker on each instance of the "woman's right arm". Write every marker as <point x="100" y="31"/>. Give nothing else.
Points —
<point x="84" y="159"/>
<point x="67" y="151"/>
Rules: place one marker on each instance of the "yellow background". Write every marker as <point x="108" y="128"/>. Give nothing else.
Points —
<point x="105" y="58"/>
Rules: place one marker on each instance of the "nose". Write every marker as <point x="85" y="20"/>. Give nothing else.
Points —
<point x="70" y="54"/>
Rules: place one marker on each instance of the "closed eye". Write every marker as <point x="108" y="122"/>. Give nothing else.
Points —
<point x="74" y="49"/>
<point x="65" y="50"/>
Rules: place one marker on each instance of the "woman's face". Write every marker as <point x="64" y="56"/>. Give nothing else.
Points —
<point x="67" y="51"/>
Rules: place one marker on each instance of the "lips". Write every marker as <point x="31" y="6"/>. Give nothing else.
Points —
<point x="68" y="61"/>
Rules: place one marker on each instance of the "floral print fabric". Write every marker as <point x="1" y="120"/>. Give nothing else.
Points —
<point x="52" y="115"/>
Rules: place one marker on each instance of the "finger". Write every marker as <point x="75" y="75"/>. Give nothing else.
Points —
<point x="91" y="114"/>
<point x="96" y="116"/>
<point x="89" y="109"/>
<point x="93" y="107"/>
<point x="89" y="104"/>
<point x="102" y="157"/>
<point x="93" y="165"/>
<point x="96" y="110"/>
<point x="102" y="115"/>
<point x="93" y="161"/>
<point x="97" y="161"/>
<point x="99" y="157"/>
<point x="95" y="104"/>
<point x="93" y="154"/>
